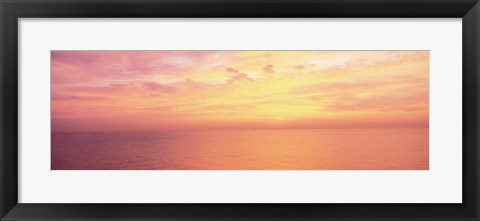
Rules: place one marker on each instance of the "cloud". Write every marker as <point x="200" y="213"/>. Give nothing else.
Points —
<point x="299" y="67"/>
<point x="334" y="89"/>
<point x="153" y="86"/>
<point x="363" y="59"/>
<point x="94" y="90"/>
<point x="76" y="98"/>
<point x="268" y="69"/>
<point x="239" y="77"/>
<point x="406" y="103"/>
<point x="361" y="84"/>
<point x="231" y="70"/>
<point x="69" y="67"/>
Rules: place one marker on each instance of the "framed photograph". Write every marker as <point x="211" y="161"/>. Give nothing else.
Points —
<point x="229" y="110"/>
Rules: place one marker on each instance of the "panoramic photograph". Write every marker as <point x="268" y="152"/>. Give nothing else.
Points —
<point x="239" y="110"/>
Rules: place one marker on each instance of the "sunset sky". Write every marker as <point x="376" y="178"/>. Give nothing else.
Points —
<point x="192" y="90"/>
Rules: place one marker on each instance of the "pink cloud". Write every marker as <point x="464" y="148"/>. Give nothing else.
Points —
<point x="92" y="66"/>
<point x="232" y="70"/>
<point x="239" y="77"/>
<point x="76" y="98"/>
<point x="268" y="69"/>
<point x="88" y="89"/>
<point x="153" y="86"/>
<point x="149" y="87"/>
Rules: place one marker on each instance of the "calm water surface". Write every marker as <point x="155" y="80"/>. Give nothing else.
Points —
<point x="323" y="149"/>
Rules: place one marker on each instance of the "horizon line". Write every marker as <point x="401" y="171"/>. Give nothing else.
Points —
<point x="190" y="130"/>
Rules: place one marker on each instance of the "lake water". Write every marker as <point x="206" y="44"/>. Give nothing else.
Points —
<point x="322" y="149"/>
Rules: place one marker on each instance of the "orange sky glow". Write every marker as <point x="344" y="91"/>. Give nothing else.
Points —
<point x="193" y="90"/>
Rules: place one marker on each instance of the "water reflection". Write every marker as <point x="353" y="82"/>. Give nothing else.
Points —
<point x="323" y="149"/>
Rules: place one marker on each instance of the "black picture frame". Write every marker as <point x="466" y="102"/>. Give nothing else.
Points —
<point x="12" y="10"/>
